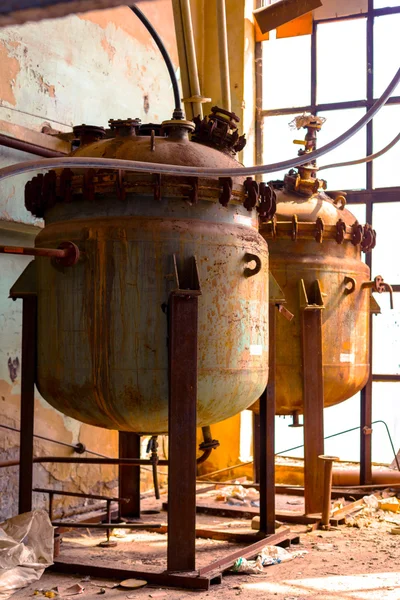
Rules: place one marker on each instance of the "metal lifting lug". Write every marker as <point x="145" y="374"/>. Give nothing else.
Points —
<point x="379" y="286"/>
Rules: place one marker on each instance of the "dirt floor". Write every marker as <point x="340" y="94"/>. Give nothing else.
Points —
<point x="345" y="563"/>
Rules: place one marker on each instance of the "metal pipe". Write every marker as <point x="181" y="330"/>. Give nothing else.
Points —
<point x="79" y="448"/>
<point x="167" y="59"/>
<point x="66" y="255"/>
<point x="326" y="507"/>
<point x="17" y="144"/>
<point x="223" y="56"/>
<point x="191" y="56"/>
<point x="85" y="461"/>
<point x="80" y="495"/>
<point x="366" y="159"/>
<point x="107" y="525"/>
<point x="178" y="170"/>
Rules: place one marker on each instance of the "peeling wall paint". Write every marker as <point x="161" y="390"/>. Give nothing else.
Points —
<point x="65" y="72"/>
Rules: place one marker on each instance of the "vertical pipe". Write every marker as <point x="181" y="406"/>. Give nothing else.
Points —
<point x="191" y="56"/>
<point x="223" y="56"/>
<point x="182" y="325"/>
<point x="129" y="477"/>
<point x="183" y="63"/>
<point x="267" y="437"/>
<point x="29" y="324"/>
<point x="313" y="399"/>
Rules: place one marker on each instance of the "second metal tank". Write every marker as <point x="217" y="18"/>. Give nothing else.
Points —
<point x="315" y="247"/>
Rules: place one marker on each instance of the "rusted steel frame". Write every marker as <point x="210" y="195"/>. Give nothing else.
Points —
<point x="28" y="376"/>
<point x="327" y="502"/>
<point x="224" y="536"/>
<point x="129" y="476"/>
<point x="366" y="392"/>
<point x="17" y="144"/>
<point x="160" y="579"/>
<point x="79" y="495"/>
<point x="313" y="399"/>
<point x="226" y="562"/>
<point x="249" y="513"/>
<point x="182" y="405"/>
<point x="79" y="447"/>
<point x="256" y="448"/>
<point x="109" y="525"/>
<point x="387" y="378"/>
<point x="267" y="436"/>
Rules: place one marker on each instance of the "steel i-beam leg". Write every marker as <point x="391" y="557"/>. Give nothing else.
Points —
<point x="267" y="437"/>
<point x="29" y="325"/>
<point x="129" y="477"/>
<point x="313" y="395"/>
<point x="183" y="317"/>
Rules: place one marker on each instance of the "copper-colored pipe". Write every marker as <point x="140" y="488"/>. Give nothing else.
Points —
<point x="67" y="254"/>
<point x="17" y="144"/>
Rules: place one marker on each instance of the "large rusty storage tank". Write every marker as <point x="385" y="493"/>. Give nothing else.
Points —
<point x="102" y="324"/>
<point x="315" y="241"/>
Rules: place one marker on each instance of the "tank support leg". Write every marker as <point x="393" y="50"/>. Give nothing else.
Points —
<point x="256" y="448"/>
<point x="29" y="319"/>
<point x="183" y="318"/>
<point x="313" y="398"/>
<point x="267" y="438"/>
<point x="129" y="477"/>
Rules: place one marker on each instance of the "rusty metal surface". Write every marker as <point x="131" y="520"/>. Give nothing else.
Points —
<point x="267" y="437"/>
<point x="129" y="477"/>
<point x="345" y="319"/>
<point x="13" y="12"/>
<point x="313" y="407"/>
<point x="183" y="364"/>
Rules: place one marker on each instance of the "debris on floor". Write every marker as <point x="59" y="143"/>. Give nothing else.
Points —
<point x="26" y="549"/>
<point x="269" y="555"/>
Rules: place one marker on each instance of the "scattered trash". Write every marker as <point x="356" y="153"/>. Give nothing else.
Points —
<point x="101" y="591"/>
<point x="133" y="583"/>
<point x="26" y="549"/>
<point x="325" y="547"/>
<point x="390" y="504"/>
<point x="270" y="555"/>
<point x="242" y="565"/>
<point x="395" y="531"/>
<point x="295" y="501"/>
<point x="159" y="594"/>
<point x="72" y="590"/>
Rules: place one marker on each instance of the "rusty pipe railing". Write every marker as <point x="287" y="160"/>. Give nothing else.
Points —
<point x="66" y="255"/>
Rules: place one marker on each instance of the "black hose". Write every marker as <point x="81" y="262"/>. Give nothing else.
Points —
<point x="164" y="52"/>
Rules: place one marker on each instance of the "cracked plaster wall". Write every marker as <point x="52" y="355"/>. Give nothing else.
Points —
<point x="79" y="69"/>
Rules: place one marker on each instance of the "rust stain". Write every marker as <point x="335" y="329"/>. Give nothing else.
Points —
<point x="13" y="368"/>
<point x="10" y="68"/>
<point x="108" y="48"/>
<point x="161" y="17"/>
<point x="46" y="88"/>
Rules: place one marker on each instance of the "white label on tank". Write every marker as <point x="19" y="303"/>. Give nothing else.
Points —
<point x="242" y="220"/>
<point x="255" y="349"/>
<point x="346" y="357"/>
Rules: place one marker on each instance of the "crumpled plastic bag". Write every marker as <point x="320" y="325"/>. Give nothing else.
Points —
<point x="26" y="549"/>
<point x="269" y="555"/>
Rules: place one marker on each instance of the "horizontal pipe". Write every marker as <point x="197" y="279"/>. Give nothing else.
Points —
<point x="17" y="144"/>
<point x="79" y="495"/>
<point x="106" y="525"/>
<point x="86" y="461"/>
<point x="180" y="170"/>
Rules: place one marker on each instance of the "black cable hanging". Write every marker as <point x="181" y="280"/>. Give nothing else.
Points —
<point x="165" y="55"/>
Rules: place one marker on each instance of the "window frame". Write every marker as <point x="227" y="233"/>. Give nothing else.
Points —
<point x="369" y="196"/>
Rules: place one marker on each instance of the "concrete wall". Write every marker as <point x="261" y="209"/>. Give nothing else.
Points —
<point x="80" y="69"/>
